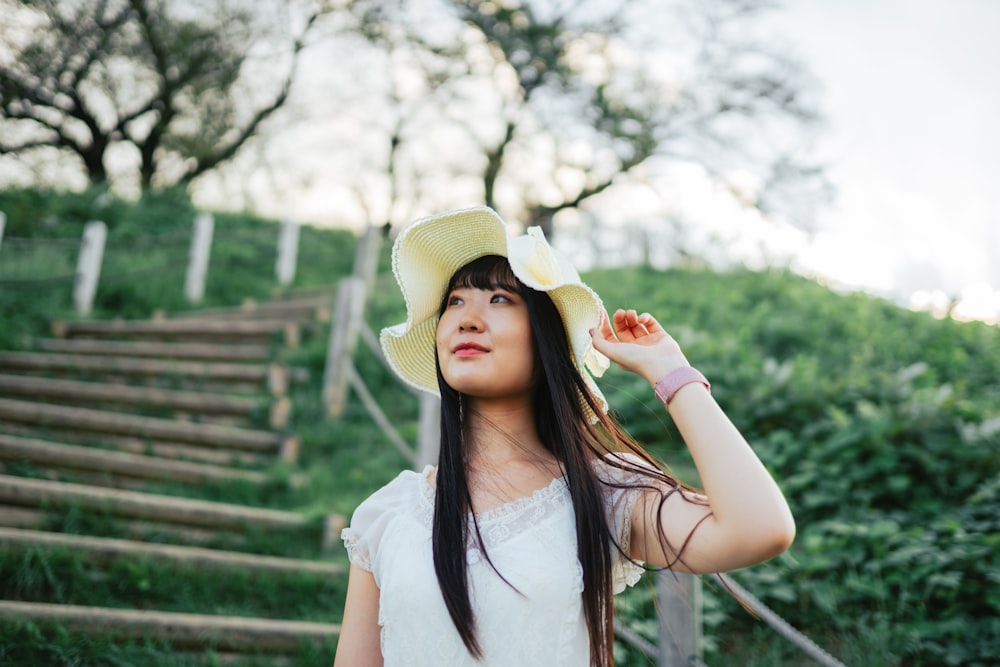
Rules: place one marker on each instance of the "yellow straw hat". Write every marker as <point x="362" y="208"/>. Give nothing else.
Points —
<point x="429" y="251"/>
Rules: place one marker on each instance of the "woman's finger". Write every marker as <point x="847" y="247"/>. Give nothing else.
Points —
<point x="651" y="323"/>
<point x="637" y="323"/>
<point x="625" y="325"/>
<point x="606" y="330"/>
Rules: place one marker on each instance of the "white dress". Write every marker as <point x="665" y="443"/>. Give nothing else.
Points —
<point x="532" y="542"/>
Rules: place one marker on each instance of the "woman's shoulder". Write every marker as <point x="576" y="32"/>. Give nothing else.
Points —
<point x="404" y="489"/>
<point x="402" y="497"/>
<point x="623" y="467"/>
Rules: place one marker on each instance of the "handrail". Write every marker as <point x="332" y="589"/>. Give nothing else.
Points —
<point x="92" y="262"/>
<point x="807" y="645"/>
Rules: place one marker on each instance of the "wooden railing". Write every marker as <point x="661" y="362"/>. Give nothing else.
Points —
<point x="90" y="259"/>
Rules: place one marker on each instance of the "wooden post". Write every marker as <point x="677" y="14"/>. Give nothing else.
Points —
<point x="429" y="437"/>
<point x="679" y="600"/>
<point x="343" y="340"/>
<point x="366" y="258"/>
<point x="88" y="266"/>
<point x="352" y="295"/>
<point x="376" y="413"/>
<point x="201" y="247"/>
<point x="288" y="251"/>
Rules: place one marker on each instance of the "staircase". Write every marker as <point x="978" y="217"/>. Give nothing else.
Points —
<point x="160" y="447"/>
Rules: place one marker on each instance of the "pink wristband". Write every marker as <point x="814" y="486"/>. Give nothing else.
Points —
<point x="670" y="384"/>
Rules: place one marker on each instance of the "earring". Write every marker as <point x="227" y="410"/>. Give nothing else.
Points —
<point x="461" y="409"/>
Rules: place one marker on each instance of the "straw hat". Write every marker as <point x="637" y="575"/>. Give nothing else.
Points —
<point x="429" y="251"/>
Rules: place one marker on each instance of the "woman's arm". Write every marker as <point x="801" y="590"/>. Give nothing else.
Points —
<point x="358" y="645"/>
<point x="747" y="519"/>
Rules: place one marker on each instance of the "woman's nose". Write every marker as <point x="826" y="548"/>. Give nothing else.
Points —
<point x="470" y="319"/>
<point x="470" y="324"/>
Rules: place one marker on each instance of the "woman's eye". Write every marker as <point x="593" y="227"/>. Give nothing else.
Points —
<point x="501" y="298"/>
<point x="454" y="300"/>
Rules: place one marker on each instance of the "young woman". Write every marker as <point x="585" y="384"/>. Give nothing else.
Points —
<point x="509" y="551"/>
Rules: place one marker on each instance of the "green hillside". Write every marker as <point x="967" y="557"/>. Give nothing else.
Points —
<point x="882" y="426"/>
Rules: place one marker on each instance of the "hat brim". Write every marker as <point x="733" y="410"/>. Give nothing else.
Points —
<point x="427" y="254"/>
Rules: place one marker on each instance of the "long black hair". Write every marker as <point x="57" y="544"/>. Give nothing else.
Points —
<point x="572" y="425"/>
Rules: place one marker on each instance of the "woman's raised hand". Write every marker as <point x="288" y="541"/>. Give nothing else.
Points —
<point x="638" y="343"/>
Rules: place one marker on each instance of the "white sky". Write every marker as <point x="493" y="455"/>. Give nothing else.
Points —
<point x="912" y="95"/>
<point x="912" y="99"/>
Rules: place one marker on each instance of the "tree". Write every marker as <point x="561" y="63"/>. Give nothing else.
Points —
<point x="564" y="99"/>
<point x="168" y="80"/>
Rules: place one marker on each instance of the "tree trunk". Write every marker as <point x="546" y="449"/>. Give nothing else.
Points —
<point x="93" y="160"/>
<point x="542" y="217"/>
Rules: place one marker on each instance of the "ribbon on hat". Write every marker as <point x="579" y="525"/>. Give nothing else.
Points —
<point x="538" y="266"/>
<point x="596" y="362"/>
<point x="540" y="261"/>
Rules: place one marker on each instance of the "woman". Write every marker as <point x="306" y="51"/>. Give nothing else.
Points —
<point x="540" y="509"/>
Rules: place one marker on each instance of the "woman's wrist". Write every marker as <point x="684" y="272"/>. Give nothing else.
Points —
<point x="670" y="383"/>
<point x="660" y="365"/>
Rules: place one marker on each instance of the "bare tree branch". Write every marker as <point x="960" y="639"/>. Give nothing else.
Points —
<point x="622" y="112"/>
<point x="93" y="75"/>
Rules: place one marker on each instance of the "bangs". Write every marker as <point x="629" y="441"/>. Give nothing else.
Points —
<point x="486" y="272"/>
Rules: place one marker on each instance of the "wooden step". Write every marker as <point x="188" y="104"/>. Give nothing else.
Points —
<point x="31" y="518"/>
<point x="254" y="374"/>
<point x="251" y="331"/>
<point x="297" y="293"/>
<point x="182" y="631"/>
<point x="48" y="455"/>
<point x="104" y="549"/>
<point x="64" y="474"/>
<point x="26" y="492"/>
<point x="76" y="392"/>
<point x="15" y="516"/>
<point x="101" y="421"/>
<point x="315" y="309"/>
<point x="211" y="376"/>
<point x="233" y="352"/>
<point x="151" y="447"/>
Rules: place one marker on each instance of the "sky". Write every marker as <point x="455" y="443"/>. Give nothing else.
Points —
<point x="912" y="99"/>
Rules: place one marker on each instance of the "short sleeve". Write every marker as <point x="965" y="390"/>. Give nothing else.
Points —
<point x="623" y="490"/>
<point x="371" y="519"/>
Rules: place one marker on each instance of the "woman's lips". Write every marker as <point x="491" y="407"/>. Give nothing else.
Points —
<point x="469" y="350"/>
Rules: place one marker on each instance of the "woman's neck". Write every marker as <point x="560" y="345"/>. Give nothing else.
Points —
<point x="507" y="459"/>
<point x="502" y="433"/>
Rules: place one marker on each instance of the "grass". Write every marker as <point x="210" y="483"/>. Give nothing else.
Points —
<point x="732" y="324"/>
<point x="65" y="576"/>
<point x="51" y="644"/>
<point x="142" y="273"/>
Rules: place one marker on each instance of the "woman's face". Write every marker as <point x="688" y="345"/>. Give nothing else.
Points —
<point x="484" y="343"/>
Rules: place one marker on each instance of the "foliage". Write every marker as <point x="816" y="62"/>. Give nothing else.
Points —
<point x="339" y="476"/>
<point x="557" y="102"/>
<point x="145" y="258"/>
<point x="51" y="644"/>
<point x="65" y="577"/>
<point x="168" y="82"/>
<point x="880" y="424"/>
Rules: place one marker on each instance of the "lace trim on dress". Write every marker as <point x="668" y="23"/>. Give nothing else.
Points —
<point x="354" y="553"/>
<point x="627" y="571"/>
<point x="504" y="521"/>
<point x="512" y="507"/>
<point x="501" y="522"/>
<point x="633" y="573"/>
